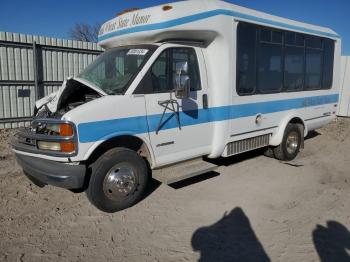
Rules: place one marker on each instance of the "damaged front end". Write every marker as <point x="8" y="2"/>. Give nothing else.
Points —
<point x="50" y="134"/>
<point x="73" y="93"/>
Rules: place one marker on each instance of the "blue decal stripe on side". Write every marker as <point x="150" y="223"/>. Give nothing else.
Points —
<point x="101" y="130"/>
<point x="208" y="14"/>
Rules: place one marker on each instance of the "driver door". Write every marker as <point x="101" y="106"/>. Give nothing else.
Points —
<point x="179" y="129"/>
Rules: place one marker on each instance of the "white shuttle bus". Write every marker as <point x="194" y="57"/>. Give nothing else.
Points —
<point x="179" y="84"/>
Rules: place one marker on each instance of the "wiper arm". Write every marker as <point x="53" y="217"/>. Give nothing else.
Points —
<point x="110" y="92"/>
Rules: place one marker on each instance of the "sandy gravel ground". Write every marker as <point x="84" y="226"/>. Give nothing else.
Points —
<point x="253" y="209"/>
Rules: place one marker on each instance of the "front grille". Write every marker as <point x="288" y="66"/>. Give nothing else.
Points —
<point x="248" y="144"/>
<point x="24" y="139"/>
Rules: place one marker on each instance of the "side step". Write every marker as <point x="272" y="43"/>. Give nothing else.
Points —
<point x="182" y="171"/>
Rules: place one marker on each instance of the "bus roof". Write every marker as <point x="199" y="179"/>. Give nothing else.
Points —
<point x="192" y="20"/>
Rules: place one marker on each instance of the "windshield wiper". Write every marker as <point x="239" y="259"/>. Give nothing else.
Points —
<point x="112" y="92"/>
<point x="109" y="92"/>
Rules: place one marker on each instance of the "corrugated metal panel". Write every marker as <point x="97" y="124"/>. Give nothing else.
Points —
<point x="61" y="58"/>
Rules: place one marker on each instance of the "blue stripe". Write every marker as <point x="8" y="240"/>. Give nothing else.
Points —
<point x="208" y="14"/>
<point x="102" y="130"/>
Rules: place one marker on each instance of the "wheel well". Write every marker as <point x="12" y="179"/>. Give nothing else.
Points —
<point x="300" y="123"/>
<point x="131" y="142"/>
<point x="296" y="120"/>
<point x="277" y="138"/>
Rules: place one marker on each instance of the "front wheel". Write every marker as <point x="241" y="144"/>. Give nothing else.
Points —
<point x="118" y="180"/>
<point x="291" y="143"/>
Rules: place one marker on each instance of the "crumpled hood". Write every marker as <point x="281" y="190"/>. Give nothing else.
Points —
<point x="52" y="101"/>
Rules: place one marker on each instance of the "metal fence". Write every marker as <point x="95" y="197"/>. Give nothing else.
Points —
<point x="32" y="67"/>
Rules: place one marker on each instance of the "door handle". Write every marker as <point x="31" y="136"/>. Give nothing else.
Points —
<point x="205" y="101"/>
<point x="258" y="119"/>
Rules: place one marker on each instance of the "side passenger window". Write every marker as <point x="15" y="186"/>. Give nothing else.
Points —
<point x="160" y="78"/>
<point x="273" y="61"/>
<point x="186" y="55"/>
<point x="159" y="74"/>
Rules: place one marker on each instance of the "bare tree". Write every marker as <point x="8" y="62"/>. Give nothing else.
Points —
<point x="84" y="32"/>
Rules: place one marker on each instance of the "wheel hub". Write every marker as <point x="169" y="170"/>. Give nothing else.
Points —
<point x="292" y="142"/>
<point x="119" y="182"/>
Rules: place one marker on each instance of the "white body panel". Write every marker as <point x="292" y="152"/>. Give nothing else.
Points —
<point x="229" y="117"/>
<point x="344" y="105"/>
<point x="170" y="144"/>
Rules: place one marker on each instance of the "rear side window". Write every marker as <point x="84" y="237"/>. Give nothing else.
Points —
<point x="160" y="77"/>
<point x="313" y="70"/>
<point x="293" y="68"/>
<point x="270" y="68"/>
<point x="246" y="59"/>
<point x="328" y="47"/>
<point x="272" y="61"/>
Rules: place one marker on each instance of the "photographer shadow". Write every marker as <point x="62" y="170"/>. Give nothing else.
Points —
<point x="230" y="239"/>
<point x="332" y="241"/>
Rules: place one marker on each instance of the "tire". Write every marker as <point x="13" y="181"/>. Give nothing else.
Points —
<point x="291" y="143"/>
<point x="268" y="152"/>
<point x="118" y="180"/>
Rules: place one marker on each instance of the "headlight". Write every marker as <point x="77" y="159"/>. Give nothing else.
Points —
<point x="53" y="128"/>
<point x="58" y="130"/>
<point x="64" y="147"/>
<point x="51" y="146"/>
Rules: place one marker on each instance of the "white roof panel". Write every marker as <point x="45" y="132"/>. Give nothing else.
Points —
<point x="197" y="18"/>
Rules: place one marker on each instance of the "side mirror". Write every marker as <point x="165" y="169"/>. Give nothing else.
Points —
<point x="182" y="81"/>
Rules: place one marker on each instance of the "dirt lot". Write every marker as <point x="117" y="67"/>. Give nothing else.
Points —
<point x="253" y="209"/>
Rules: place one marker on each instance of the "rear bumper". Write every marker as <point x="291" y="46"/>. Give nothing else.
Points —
<point x="47" y="172"/>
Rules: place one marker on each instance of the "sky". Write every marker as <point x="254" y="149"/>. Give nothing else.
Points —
<point x="55" y="18"/>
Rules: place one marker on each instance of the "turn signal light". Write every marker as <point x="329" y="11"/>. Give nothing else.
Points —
<point x="67" y="147"/>
<point x="66" y="130"/>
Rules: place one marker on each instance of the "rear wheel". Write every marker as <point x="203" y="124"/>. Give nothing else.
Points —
<point x="118" y="180"/>
<point x="291" y="142"/>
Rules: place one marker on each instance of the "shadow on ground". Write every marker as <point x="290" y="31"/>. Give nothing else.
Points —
<point x="151" y="187"/>
<point x="332" y="241"/>
<point x="230" y="239"/>
<point x="194" y="180"/>
<point x="228" y="161"/>
<point x="312" y="134"/>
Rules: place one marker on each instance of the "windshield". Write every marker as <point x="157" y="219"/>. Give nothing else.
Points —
<point x="114" y="70"/>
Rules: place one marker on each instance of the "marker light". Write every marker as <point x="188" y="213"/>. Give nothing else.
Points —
<point x="167" y="7"/>
<point x="66" y="130"/>
<point x="67" y="147"/>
